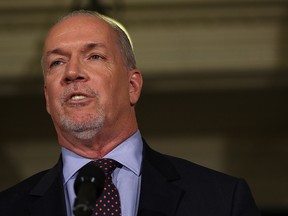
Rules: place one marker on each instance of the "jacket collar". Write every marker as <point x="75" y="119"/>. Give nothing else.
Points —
<point x="159" y="196"/>
<point x="48" y="195"/>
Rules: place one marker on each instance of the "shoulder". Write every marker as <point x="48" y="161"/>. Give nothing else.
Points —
<point x="19" y="193"/>
<point x="204" y="190"/>
<point x="18" y="198"/>
<point x="24" y="186"/>
<point x="184" y="168"/>
<point x="213" y="187"/>
<point x="197" y="176"/>
<point x="188" y="169"/>
<point x="192" y="176"/>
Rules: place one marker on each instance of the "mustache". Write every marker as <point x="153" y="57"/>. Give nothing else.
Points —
<point x="70" y="90"/>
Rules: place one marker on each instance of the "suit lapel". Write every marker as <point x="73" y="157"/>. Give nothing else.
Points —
<point x="159" y="196"/>
<point x="48" y="195"/>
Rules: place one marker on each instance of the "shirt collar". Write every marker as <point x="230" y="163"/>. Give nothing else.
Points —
<point x="128" y="153"/>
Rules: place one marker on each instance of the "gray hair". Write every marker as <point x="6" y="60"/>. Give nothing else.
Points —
<point x="124" y="40"/>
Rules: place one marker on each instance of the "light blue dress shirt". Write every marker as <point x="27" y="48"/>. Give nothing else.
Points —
<point x="127" y="179"/>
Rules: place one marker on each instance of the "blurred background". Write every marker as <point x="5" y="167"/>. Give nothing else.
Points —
<point x="215" y="86"/>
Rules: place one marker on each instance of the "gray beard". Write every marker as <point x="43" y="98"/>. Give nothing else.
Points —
<point x="90" y="125"/>
<point x="86" y="129"/>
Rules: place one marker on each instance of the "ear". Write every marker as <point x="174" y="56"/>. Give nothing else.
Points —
<point x="135" y="85"/>
<point x="46" y="99"/>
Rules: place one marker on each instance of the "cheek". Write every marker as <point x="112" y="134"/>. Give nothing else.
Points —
<point x="114" y="96"/>
<point x="121" y="96"/>
<point x="51" y="96"/>
<point x="49" y="103"/>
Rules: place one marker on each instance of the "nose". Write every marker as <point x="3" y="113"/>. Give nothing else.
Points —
<point x="74" y="72"/>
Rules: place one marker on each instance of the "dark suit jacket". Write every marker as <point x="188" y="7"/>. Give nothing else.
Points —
<point x="170" y="186"/>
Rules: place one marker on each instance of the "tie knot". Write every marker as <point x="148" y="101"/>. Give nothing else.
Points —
<point x="107" y="165"/>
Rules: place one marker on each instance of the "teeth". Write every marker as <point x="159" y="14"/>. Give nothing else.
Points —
<point x="78" y="97"/>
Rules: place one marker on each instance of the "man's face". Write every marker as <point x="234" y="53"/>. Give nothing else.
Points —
<point x="87" y="85"/>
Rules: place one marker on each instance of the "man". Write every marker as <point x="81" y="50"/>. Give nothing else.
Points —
<point x="91" y="87"/>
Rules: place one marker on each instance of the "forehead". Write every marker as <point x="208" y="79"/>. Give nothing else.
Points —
<point x="77" y="28"/>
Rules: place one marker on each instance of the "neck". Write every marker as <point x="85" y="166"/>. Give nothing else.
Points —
<point x="99" y="145"/>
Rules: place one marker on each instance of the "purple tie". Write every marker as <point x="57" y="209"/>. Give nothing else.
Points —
<point x="109" y="201"/>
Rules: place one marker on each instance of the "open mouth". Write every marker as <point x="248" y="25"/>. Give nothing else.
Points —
<point x="78" y="100"/>
<point x="78" y="97"/>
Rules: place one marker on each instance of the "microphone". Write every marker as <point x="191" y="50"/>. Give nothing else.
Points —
<point x="88" y="188"/>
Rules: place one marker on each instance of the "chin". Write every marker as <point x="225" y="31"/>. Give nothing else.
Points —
<point x="85" y="135"/>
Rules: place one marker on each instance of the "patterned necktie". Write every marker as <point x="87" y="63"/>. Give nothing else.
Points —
<point x="109" y="201"/>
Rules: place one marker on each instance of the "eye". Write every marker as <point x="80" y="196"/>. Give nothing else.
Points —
<point x="55" y="63"/>
<point x="95" y="57"/>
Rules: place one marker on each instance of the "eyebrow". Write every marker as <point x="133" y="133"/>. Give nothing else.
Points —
<point x="87" y="47"/>
<point x="91" y="46"/>
<point x="55" y="51"/>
